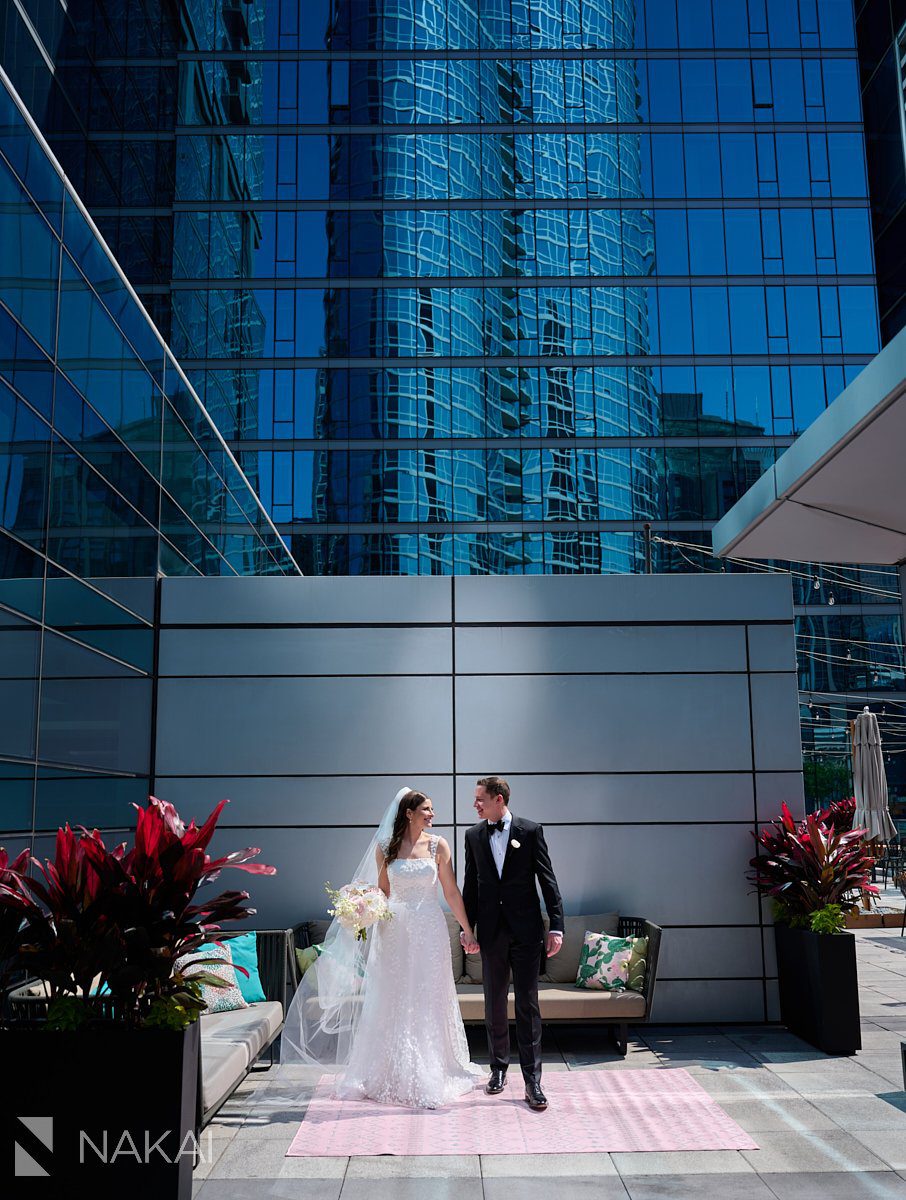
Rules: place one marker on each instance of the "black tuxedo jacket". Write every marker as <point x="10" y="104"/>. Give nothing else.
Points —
<point x="511" y="897"/>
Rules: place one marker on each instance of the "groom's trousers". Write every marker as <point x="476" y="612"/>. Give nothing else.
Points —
<point x="524" y="958"/>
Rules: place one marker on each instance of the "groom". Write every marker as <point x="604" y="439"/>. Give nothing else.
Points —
<point x="504" y="856"/>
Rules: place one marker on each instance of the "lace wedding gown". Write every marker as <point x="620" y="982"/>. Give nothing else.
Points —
<point x="410" y="1046"/>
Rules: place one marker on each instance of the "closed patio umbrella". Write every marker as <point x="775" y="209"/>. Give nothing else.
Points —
<point x="870" y="782"/>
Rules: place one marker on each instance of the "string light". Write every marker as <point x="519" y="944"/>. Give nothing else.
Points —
<point x="754" y="565"/>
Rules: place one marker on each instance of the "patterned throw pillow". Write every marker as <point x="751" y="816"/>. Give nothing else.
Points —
<point x="305" y="957"/>
<point x="217" y="999"/>
<point x="638" y="964"/>
<point x="604" y="962"/>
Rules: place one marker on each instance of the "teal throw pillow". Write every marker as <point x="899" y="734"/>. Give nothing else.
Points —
<point x="244" y="953"/>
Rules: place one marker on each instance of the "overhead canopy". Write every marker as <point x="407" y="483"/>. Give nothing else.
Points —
<point x="838" y="494"/>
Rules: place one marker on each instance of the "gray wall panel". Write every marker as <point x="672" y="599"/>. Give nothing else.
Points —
<point x="775" y="720"/>
<point x="566" y="799"/>
<point x="631" y="739"/>
<point x="711" y="953"/>
<point x="603" y="650"/>
<point x="307" y="726"/>
<point x="681" y="875"/>
<point x="622" y="599"/>
<point x="342" y="800"/>
<point x="772" y="648"/>
<point x="305" y="859"/>
<point x="722" y="1000"/>
<point x="282" y="651"/>
<point x="312" y="600"/>
<point x="598" y="723"/>
<point x="776" y="787"/>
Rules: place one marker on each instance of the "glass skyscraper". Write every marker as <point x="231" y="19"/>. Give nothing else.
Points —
<point x="111" y="473"/>
<point x="487" y="286"/>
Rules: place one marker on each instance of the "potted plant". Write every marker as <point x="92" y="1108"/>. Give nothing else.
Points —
<point x="815" y="874"/>
<point x="113" y="1069"/>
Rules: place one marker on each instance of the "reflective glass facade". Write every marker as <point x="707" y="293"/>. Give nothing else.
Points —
<point x="484" y="286"/>
<point x="110" y="474"/>
<point x="881" y="27"/>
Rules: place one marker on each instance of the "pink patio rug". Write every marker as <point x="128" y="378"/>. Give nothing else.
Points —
<point x="590" y="1112"/>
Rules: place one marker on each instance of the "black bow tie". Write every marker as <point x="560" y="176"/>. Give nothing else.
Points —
<point x="498" y="825"/>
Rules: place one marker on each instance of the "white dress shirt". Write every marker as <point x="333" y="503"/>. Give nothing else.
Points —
<point x="498" y="841"/>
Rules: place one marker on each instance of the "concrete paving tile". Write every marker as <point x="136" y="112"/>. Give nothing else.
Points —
<point x="706" y="1061"/>
<point x="813" y="1150"/>
<point x="314" y="1168"/>
<point x="888" y="1145"/>
<point x="681" y="1162"/>
<point x="693" y="1187"/>
<point x="769" y="1039"/>
<point x="546" y="1166"/>
<point x="857" y="1081"/>
<point x="439" y="1187"/>
<point x="748" y="1082"/>
<point x="564" y="1187"/>
<point x="689" y="1041"/>
<point x="637" y="1062"/>
<point x="877" y="1038"/>
<point x="776" y="1113"/>
<point x="269" y="1189"/>
<point x="210" y="1149"/>
<point x="422" y="1166"/>
<point x="886" y="1063"/>
<point x="803" y="1055"/>
<point x="840" y="1185"/>
<point x="251" y="1157"/>
<point x="867" y="1112"/>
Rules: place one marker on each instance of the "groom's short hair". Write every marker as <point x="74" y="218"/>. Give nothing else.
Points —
<point x="495" y="786"/>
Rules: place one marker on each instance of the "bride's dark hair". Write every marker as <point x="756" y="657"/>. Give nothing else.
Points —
<point x="401" y="821"/>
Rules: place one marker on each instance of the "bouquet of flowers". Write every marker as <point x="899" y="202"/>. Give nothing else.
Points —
<point x="357" y="906"/>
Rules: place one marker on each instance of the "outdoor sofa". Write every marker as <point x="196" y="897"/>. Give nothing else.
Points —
<point x="561" y="1001"/>
<point x="231" y="1042"/>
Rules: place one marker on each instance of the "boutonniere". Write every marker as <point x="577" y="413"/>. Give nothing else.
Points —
<point x="515" y="844"/>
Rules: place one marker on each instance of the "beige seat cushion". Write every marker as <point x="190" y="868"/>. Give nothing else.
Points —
<point x="560" y="1002"/>
<point x="251" y="1027"/>
<point x="230" y="1043"/>
<point x="222" y="1064"/>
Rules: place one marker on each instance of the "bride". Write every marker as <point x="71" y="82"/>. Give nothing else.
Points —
<point x="384" y="1013"/>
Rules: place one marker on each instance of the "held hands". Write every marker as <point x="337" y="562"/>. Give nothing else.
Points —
<point x="468" y="942"/>
<point x="554" y="942"/>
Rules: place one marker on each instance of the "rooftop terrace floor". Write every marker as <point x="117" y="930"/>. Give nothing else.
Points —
<point x="828" y="1128"/>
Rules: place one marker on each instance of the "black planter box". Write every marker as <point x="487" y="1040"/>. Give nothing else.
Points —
<point x="127" y="1095"/>
<point x="819" y="988"/>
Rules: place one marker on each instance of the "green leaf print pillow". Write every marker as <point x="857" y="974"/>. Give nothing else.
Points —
<point x="604" y="962"/>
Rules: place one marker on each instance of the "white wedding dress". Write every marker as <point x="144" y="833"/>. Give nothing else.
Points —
<point x="410" y="1045"/>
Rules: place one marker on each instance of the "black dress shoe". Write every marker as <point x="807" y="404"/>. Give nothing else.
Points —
<point x="535" y="1098"/>
<point x="497" y="1082"/>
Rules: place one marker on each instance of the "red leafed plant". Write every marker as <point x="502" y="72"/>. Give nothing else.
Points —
<point x="10" y="917"/>
<point x="840" y="814"/>
<point x="126" y="915"/>
<point x="814" y="872"/>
